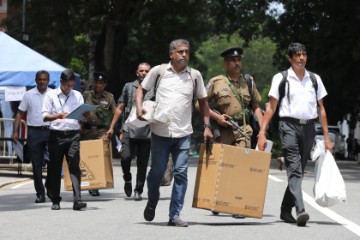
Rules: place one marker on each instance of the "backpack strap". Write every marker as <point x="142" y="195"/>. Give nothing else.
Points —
<point x="282" y="86"/>
<point x="128" y="97"/>
<point x="160" y="74"/>
<point x="314" y="82"/>
<point x="284" y="81"/>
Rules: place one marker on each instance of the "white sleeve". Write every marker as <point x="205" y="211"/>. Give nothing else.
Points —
<point x="200" y="87"/>
<point x="149" y="81"/>
<point x="274" y="89"/>
<point x="321" y="92"/>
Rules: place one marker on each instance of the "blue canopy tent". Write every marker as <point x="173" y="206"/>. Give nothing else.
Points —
<point x="19" y="64"/>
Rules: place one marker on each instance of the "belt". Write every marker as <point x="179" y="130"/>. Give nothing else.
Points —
<point x="298" y="121"/>
<point x="65" y="133"/>
<point x="45" y="127"/>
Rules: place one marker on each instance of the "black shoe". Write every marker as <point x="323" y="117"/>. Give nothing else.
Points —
<point x="137" y="196"/>
<point x="128" y="188"/>
<point x="238" y="216"/>
<point x="287" y="217"/>
<point x="302" y="218"/>
<point x="40" y="199"/>
<point x="149" y="212"/>
<point x="55" y="206"/>
<point x="94" y="193"/>
<point x="78" y="205"/>
<point x="215" y="213"/>
<point x="177" y="222"/>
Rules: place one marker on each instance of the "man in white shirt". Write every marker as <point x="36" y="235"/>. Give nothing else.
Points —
<point x="298" y="113"/>
<point x="64" y="138"/>
<point x="38" y="130"/>
<point x="172" y="132"/>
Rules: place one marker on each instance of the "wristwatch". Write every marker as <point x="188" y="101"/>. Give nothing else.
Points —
<point x="207" y="126"/>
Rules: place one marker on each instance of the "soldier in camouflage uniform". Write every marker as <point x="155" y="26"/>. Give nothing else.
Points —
<point x="220" y="90"/>
<point x="99" y="120"/>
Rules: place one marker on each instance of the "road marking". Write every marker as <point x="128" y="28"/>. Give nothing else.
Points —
<point x="333" y="215"/>
<point x="275" y="179"/>
<point x="20" y="185"/>
<point x="326" y="211"/>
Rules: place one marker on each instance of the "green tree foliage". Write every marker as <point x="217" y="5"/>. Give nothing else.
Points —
<point x="330" y="30"/>
<point x="121" y="33"/>
<point x="257" y="58"/>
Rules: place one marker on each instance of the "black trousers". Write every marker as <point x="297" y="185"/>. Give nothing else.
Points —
<point x="37" y="141"/>
<point x="297" y="141"/>
<point x="63" y="143"/>
<point x="130" y="148"/>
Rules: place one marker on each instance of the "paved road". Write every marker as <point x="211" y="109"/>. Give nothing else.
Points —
<point x="114" y="216"/>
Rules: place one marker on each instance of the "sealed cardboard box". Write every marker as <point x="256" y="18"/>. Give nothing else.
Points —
<point x="232" y="180"/>
<point x="95" y="165"/>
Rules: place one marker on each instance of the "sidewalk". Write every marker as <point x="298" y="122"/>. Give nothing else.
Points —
<point x="9" y="173"/>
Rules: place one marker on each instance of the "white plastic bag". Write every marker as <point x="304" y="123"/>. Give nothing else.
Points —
<point x="329" y="186"/>
<point x="318" y="150"/>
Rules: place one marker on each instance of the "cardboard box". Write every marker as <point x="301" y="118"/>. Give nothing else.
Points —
<point x="95" y="165"/>
<point x="232" y="180"/>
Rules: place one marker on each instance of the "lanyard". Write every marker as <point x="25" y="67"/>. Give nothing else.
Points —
<point x="67" y="97"/>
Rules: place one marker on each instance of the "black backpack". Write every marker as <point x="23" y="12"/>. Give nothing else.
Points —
<point x="274" y="124"/>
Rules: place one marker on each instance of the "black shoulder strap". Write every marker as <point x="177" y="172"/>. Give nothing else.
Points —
<point x="160" y="74"/>
<point x="314" y="83"/>
<point x="283" y="82"/>
<point x="282" y="86"/>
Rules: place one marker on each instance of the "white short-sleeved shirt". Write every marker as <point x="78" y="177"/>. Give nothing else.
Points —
<point x="56" y="102"/>
<point x="32" y="104"/>
<point x="174" y="97"/>
<point x="303" y="102"/>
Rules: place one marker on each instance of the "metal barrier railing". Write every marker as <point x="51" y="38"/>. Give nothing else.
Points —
<point x="6" y="144"/>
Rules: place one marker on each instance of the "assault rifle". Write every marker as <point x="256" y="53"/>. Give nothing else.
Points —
<point x="234" y="124"/>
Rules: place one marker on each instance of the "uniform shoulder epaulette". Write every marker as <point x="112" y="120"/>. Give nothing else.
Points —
<point x="217" y="78"/>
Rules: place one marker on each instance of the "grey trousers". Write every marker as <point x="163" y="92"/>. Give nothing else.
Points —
<point x="297" y="141"/>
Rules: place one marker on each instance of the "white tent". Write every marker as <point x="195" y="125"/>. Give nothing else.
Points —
<point x="19" y="64"/>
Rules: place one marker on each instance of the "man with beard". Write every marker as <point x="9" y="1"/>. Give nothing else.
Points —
<point x="131" y="146"/>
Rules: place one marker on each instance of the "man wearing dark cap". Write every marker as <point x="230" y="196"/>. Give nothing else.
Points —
<point x="230" y="97"/>
<point x="98" y="121"/>
<point x="64" y="139"/>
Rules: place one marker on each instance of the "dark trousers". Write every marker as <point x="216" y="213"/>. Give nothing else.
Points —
<point x="130" y="148"/>
<point x="297" y="141"/>
<point x="37" y="141"/>
<point x="63" y="143"/>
